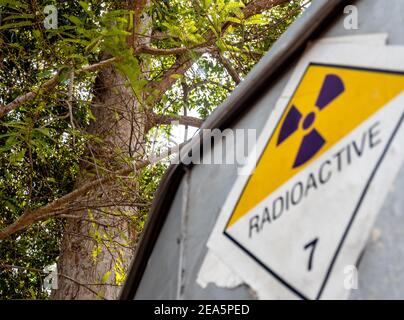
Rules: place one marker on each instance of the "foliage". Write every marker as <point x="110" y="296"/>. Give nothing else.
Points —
<point x="44" y="143"/>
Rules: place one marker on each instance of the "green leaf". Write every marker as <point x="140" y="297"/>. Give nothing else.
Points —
<point x="231" y="6"/>
<point x="94" y="44"/>
<point x="75" y="20"/>
<point x="19" y="16"/>
<point x="233" y="19"/>
<point x="207" y="3"/>
<point x="95" y="252"/>
<point x="19" y="156"/>
<point x="84" y="5"/>
<point x="11" y="141"/>
<point x="105" y="277"/>
<point x="257" y="19"/>
<point x="214" y="31"/>
<point x="44" y="131"/>
<point x="14" y="4"/>
<point x="176" y="76"/>
<point x="16" y="25"/>
<point x="10" y="206"/>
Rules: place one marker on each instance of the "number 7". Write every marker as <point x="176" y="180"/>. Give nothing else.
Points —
<point x="307" y="246"/>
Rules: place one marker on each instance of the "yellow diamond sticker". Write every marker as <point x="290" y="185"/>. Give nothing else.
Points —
<point x="328" y="104"/>
<point x="293" y="213"/>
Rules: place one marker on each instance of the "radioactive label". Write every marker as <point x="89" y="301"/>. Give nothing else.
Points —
<point x="292" y="215"/>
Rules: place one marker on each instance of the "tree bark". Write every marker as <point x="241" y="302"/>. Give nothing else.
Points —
<point x="96" y="248"/>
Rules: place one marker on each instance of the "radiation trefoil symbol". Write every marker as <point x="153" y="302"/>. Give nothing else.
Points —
<point x="313" y="141"/>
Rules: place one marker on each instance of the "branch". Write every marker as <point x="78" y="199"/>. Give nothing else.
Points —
<point x="30" y="217"/>
<point x="258" y="6"/>
<point x="161" y="52"/>
<point x="48" y="86"/>
<point x="251" y="9"/>
<point x="227" y="65"/>
<point x="206" y="81"/>
<point x="156" y="119"/>
<point x="171" y="151"/>
<point x="170" y="51"/>
<point x="9" y="266"/>
<point x="97" y="66"/>
<point x="184" y="61"/>
<point x="70" y="100"/>
<point x="60" y="206"/>
<point x="159" y="35"/>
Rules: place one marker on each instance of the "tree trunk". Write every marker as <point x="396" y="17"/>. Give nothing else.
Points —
<point x="96" y="247"/>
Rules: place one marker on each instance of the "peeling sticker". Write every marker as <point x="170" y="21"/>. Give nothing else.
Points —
<point x="306" y="211"/>
<point x="215" y="271"/>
